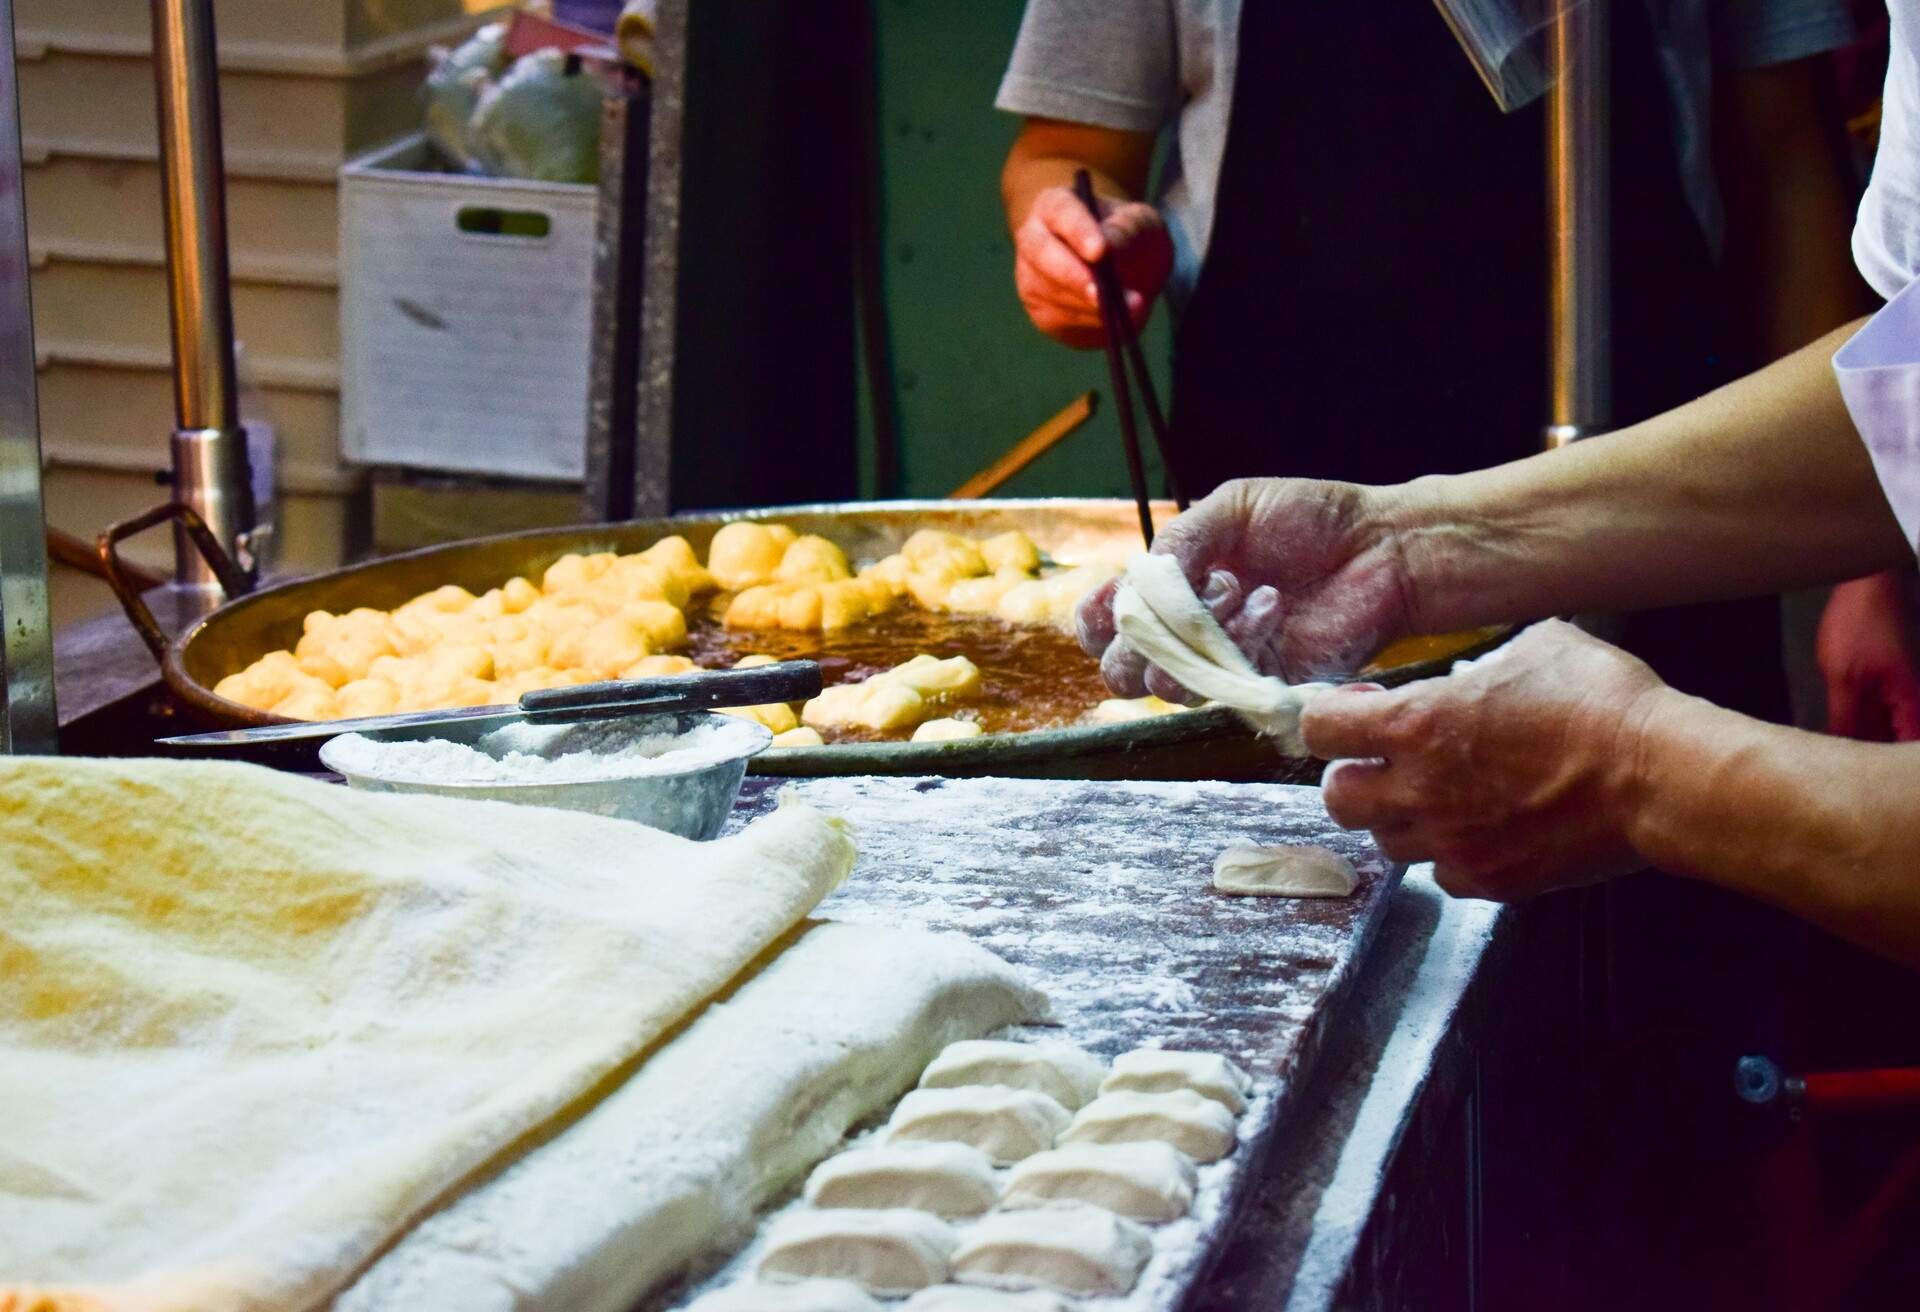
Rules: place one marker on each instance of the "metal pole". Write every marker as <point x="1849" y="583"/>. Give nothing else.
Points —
<point x="1580" y="249"/>
<point x="210" y="470"/>
<point x="27" y="719"/>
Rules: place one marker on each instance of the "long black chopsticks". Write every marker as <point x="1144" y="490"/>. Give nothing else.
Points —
<point x="1123" y="348"/>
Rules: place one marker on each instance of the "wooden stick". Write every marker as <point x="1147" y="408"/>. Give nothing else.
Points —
<point x="1028" y="449"/>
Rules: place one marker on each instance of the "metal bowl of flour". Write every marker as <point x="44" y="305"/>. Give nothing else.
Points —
<point x="680" y="773"/>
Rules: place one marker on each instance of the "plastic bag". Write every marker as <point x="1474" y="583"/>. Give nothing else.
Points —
<point x="1508" y="41"/>
<point x="452" y="92"/>
<point x="541" y="121"/>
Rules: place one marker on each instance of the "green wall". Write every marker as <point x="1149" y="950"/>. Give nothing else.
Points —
<point x="971" y="374"/>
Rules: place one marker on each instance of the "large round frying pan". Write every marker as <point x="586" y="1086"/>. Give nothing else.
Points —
<point x="1206" y="744"/>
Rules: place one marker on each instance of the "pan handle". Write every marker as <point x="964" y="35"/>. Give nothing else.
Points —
<point x="124" y="581"/>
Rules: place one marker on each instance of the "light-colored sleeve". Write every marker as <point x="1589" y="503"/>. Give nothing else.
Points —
<point x="1879" y="373"/>
<point x="1761" y="33"/>
<point x="1107" y="63"/>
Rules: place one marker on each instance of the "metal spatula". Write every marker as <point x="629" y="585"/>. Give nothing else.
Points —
<point x="787" y="681"/>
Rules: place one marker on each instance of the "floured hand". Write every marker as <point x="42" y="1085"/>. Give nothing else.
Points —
<point x="1518" y="774"/>
<point x="1306" y="578"/>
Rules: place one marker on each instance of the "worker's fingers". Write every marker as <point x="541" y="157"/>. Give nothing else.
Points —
<point x="1130" y="222"/>
<point x="1061" y="213"/>
<point x="1124" y="669"/>
<point x="1223" y="596"/>
<point x="1352" y="720"/>
<point x="1169" y="689"/>
<point x="1256" y="626"/>
<point x="1846" y="707"/>
<point x="1093" y="620"/>
<point x="1358" y="793"/>
<point x="1903" y="706"/>
<point x="1054" y="263"/>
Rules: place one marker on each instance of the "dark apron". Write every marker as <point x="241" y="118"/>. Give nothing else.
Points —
<point x="1372" y="305"/>
<point x="1372" y="308"/>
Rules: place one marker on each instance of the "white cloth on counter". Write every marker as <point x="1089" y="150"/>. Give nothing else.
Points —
<point x="254" y="1025"/>
<point x="1156" y="611"/>
<point x="1879" y="373"/>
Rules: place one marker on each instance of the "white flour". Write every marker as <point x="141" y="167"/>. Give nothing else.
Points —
<point x="545" y="754"/>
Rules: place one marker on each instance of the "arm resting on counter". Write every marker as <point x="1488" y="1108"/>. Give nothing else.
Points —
<point x="1760" y="485"/>
<point x="1821" y="827"/>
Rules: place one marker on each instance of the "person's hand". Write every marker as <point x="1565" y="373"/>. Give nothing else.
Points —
<point x="1866" y="654"/>
<point x="1518" y="775"/>
<point x="1054" y="252"/>
<point x="1306" y="577"/>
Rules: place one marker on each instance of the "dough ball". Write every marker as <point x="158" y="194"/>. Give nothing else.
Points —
<point x="874" y="703"/>
<point x="1012" y="551"/>
<point x="518" y="594"/>
<point x="947" y="1179"/>
<point x="308" y="699"/>
<point x="742" y="554"/>
<point x="799" y="1296"/>
<point x="800" y="736"/>
<point x="448" y="599"/>
<point x="263" y="684"/>
<point x="1125" y="710"/>
<point x="1068" y="1075"/>
<point x="936" y="551"/>
<point x="658" y="667"/>
<point x="572" y="572"/>
<point x="946" y="731"/>
<point x="364" y="697"/>
<point x="1142" y="1181"/>
<point x="890" y="572"/>
<point x="633" y="579"/>
<point x="887" y="1252"/>
<point x="1198" y="1127"/>
<point x="955" y="676"/>
<point x="517" y="655"/>
<point x="980" y="596"/>
<point x="1074" y="1248"/>
<point x="966" y="1298"/>
<point x="776" y="716"/>
<point x="1284" y="870"/>
<point x="812" y="559"/>
<point x="1156" y="1070"/>
<point x="675" y="555"/>
<point x="1005" y="1124"/>
<point x="1052" y="600"/>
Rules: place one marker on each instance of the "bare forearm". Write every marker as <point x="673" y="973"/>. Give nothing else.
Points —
<point x="1821" y="827"/>
<point x="1046" y="154"/>
<point x="1758" y="486"/>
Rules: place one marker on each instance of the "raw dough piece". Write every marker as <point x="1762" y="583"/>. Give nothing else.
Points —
<point x="946" y="731"/>
<point x="812" y="559"/>
<point x="1054" y="599"/>
<point x="1157" y="613"/>
<point x="672" y="1165"/>
<point x="359" y="991"/>
<point x="1142" y="1181"/>
<point x="1284" y="870"/>
<point x="799" y="1296"/>
<point x="1072" y="1247"/>
<point x="800" y="736"/>
<point x="968" y="1298"/>
<point x="947" y="1179"/>
<point x="1005" y="1124"/>
<point x="889" y="1252"/>
<point x="1157" y="1070"/>
<point x="1198" y="1127"/>
<point x="1125" y="710"/>
<point x="1068" y="1075"/>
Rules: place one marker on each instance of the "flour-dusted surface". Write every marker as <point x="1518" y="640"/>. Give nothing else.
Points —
<point x="544" y="754"/>
<point x="1101" y="892"/>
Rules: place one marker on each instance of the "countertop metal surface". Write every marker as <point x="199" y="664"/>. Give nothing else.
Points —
<point x="1340" y="1008"/>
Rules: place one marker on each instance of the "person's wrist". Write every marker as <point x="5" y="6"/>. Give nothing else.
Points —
<point x="1412" y="524"/>
<point x="1650" y="765"/>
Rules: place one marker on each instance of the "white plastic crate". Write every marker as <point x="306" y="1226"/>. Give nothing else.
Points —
<point x="465" y="318"/>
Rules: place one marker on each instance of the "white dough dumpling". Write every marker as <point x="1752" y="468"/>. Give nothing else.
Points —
<point x="1005" y="1124"/>
<point x="946" y="731"/>
<point x="967" y="1298"/>
<point x="888" y="1252"/>
<point x="1284" y="870"/>
<point x="797" y="1296"/>
<point x="1157" y="1070"/>
<point x="1073" y="1248"/>
<point x="1141" y="1181"/>
<point x="1068" y="1075"/>
<point x="947" y="1179"/>
<point x="1198" y="1127"/>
